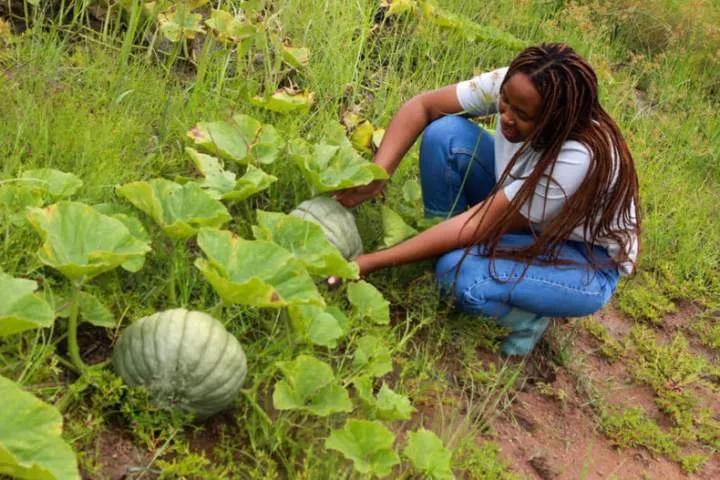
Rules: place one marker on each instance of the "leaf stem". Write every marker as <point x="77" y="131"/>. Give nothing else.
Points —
<point x="73" y="348"/>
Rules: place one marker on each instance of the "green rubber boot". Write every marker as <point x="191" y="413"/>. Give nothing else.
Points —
<point x="526" y="330"/>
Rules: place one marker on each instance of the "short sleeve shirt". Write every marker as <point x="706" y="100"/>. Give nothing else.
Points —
<point x="479" y="96"/>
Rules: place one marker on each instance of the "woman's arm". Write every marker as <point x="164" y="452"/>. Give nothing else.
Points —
<point x="472" y="226"/>
<point x="404" y="128"/>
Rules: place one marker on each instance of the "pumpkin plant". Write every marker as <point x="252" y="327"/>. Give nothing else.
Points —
<point x="81" y="243"/>
<point x="179" y="210"/>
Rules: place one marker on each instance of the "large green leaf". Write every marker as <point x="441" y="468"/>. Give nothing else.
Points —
<point x="93" y="311"/>
<point x="310" y="386"/>
<point x="395" y="228"/>
<point x="221" y="183"/>
<point x="58" y="184"/>
<point x="16" y="198"/>
<point x="372" y="356"/>
<point x="134" y="226"/>
<point x="368" y="303"/>
<point x="20" y="308"/>
<point x="334" y="167"/>
<point x="258" y="273"/>
<point x="30" y="443"/>
<point x="428" y="455"/>
<point x="242" y="140"/>
<point x="82" y="243"/>
<point x="180" y="210"/>
<point x="321" y="326"/>
<point x="306" y="241"/>
<point x="368" y="444"/>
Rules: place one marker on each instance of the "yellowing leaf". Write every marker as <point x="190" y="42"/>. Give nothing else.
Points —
<point x="285" y="101"/>
<point x="398" y="7"/>
<point x="296" y="57"/>
<point x="179" y="23"/>
<point x="229" y="29"/>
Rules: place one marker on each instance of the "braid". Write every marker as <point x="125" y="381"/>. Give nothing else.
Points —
<point x="603" y="204"/>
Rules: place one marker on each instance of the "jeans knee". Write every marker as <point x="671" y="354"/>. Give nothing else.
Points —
<point x="441" y="130"/>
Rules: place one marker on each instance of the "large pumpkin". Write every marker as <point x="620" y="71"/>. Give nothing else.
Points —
<point x="336" y="221"/>
<point x="187" y="360"/>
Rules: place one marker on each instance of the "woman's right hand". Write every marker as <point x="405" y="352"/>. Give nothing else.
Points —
<point x="352" y="197"/>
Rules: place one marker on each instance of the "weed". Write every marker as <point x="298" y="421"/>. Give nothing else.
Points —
<point x="610" y="348"/>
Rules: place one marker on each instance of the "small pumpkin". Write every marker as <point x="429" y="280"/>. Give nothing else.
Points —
<point x="336" y="221"/>
<point x="186" y="359"/>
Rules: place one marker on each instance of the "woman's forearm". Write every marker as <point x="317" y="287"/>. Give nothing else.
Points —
<point x="404" y="128"/>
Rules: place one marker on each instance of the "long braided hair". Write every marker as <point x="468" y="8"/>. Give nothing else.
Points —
<point x="608" y="196"/>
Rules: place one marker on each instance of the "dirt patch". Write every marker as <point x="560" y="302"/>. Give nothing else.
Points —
<point x="117" y="457"/>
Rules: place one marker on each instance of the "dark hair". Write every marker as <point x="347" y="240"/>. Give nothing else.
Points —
<point x="603" y="204"/>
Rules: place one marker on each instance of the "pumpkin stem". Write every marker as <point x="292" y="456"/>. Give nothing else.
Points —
<point x="73" y="348"/>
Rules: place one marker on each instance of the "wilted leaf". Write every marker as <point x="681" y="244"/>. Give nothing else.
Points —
<point x="368" y="303"/>
<point x="373" y="356"/>
<point x="58" y="184"/>
<point x="229" y="29"/>
<point x="20" y="308"/>
<point x="180" y="210"/>
<point x="242" y="140"/>
<point x="395" y="228"/>
<point x="30" y="443"/>
<point x="334" y="167"/>
<point x="428" y="455"/>
<point x="296" y="57"/>
<point x="93" y="311"/>
<point x="258" y="273"/>
<point x="398" y="7"/>
<point x="82" y="243"/>
<point x="285" y="101"/>
<point x="179" y="23"/>
<point x="310" y="386"/>
<point x="368" y="444"/>
<point x="306" y="241"/>
<point x="321" y="326"/>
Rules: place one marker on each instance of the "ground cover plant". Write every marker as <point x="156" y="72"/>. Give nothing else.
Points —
<point x="151" y="155"/>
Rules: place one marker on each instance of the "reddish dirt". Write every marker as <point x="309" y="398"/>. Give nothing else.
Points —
<point x="543" y="437"/>
<point x="117" y="457"/>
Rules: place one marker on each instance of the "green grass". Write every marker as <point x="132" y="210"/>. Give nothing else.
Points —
<point x="111" y="109"/>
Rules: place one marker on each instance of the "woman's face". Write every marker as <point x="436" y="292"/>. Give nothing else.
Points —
<point x="520" y="104"/>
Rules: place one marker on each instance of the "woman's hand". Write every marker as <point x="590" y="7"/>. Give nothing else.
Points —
<point x="352" y="197"/>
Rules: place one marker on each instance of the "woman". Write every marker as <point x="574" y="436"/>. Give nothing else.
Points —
<point x="541" y="219"/>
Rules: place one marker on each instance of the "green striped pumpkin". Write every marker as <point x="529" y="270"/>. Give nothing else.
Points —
<point x="336" y="221"/>
<point x="187" y="360"/>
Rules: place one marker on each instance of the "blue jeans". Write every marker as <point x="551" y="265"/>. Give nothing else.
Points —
<point x="457" y="170"/>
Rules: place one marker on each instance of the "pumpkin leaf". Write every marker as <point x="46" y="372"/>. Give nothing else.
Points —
<point x="179" y="23"/>
<point x="377" y="137"/>
<point x="58" y="184"/>
<point x="20" y="308"/>
<point x="411" y="192"/>
<point x="310" y="386"/>
<point x="334" y="167"/>
<point x="82" y="243"/>
<point x="30" y="443"/>
<point x="93" y="311"/>
<point x="241" y="140"/>
<point x="180" y="210"/>
<point x="388" y="405"/>
<point x="395" y="228"/>
<point x="134" y="226"/>
<point x="254" y="272"/>
<point x="372" y="356"/>
<point x="321" y="326"/>
<point x="15" y="199"/>
<point x="306" y="241"/>
<point x="285" y="101"/>
<point x="428" y="455"/>
<point x="368" y="303"/>
<point x="296" y="57"/>
<point x="253" y="181"/>
<point x="399" y="7"/>
<point x="229" y="29"/>
<point x="218" y="181"/>
<point x="368" y="444"/>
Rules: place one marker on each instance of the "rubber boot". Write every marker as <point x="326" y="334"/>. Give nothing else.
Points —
<point x="526" y="330"/>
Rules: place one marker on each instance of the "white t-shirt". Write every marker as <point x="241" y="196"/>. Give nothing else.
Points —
<point x="480" y="96"/>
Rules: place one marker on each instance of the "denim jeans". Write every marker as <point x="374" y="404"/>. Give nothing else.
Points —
<point x="457" y="170"/>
